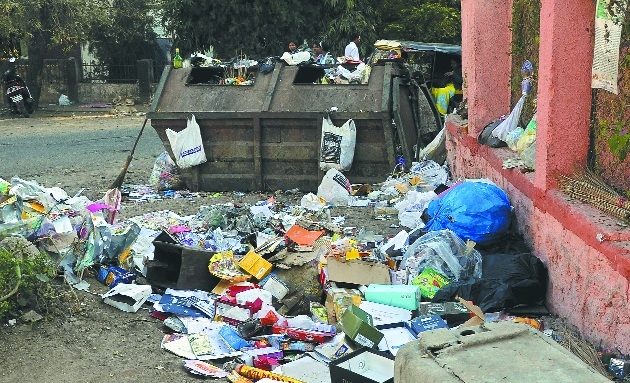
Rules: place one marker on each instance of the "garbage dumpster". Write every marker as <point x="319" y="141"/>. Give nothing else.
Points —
<point x="266" y="136"/>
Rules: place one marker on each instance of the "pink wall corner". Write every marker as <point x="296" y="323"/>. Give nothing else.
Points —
<point x="564" y="88"/>
<point x="486" y="60"/>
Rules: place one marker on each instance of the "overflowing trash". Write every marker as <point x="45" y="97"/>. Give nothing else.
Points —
<point x="275" y="292"/>
<point x="506" y="132"/>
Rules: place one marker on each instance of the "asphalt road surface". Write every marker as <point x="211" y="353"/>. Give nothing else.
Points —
<point x="74" y="152"/>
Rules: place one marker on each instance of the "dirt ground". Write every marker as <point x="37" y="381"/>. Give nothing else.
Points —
<point x="80" y="338"/>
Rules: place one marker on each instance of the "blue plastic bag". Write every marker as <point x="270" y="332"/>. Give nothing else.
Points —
<point x="478" y="211"/>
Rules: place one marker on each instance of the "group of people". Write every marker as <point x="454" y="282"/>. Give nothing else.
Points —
<point x="321" y="50"/>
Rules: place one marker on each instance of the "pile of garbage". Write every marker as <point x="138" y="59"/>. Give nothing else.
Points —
<point x="284" y="292"/>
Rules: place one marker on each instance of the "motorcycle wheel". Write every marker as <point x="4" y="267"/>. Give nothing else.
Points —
<point x="22" y="109"/>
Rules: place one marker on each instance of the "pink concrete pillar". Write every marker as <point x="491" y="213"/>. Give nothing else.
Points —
<point x="564" y="88"/>
<point x="486" y="60"/>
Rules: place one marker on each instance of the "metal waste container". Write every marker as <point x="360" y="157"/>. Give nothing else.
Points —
<point x="266" y="136"/>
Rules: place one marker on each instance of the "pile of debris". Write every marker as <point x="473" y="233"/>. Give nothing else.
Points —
<point x="285" y="292"/>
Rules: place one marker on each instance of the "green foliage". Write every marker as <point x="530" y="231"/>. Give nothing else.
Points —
<point x="126" y="34"/>
<point x="265" y="28"/>
<point x="252" y="27"/>
<point x="346" y="17"/>
<point x="31" y="276"/>
<point x="63" y="23"/>
<point x="618" y="142"/>
<point x="421" y="20"/>
<point x="525" y="46"/>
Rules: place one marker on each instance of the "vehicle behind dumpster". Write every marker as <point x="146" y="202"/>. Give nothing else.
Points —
<point x="267" y="135"/>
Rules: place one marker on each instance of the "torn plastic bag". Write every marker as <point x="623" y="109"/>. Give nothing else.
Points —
<point x="123" y="236"/>
<point x="508" y="280"/>
<point x="475" y="210"/>
<point x="444" y="252"/>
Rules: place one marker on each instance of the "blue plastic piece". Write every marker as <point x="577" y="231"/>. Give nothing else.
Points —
<point x="473" y="210"/>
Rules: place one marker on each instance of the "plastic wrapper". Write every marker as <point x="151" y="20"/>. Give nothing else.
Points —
<point x="165" y="174"/>
<point x="4" y="187"/>
<point x="529" y="156"/>
<point x="444" y="252"/>
<point x="430" y="172"/>
<point x="511" y="139"/>
<point x="528" y="137"/>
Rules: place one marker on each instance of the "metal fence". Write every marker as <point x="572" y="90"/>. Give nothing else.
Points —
<point x="97" y="73"/>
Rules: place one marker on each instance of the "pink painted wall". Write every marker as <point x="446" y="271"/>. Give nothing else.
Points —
<point x="486" y="61"/>
<point x="564" y="88"/>
<point x="586" y="253"/>
<point x="588" y="279"/>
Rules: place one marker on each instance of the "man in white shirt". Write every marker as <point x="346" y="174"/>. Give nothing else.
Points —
<point x="352" y="50"/>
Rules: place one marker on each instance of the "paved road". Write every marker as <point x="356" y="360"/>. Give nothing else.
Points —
<point x="76" y="152"/>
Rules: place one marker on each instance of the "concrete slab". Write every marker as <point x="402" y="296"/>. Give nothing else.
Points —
<point x="503" y="352"/>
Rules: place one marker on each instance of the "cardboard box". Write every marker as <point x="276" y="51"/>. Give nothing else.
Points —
<point x="363" y="366"/>
<point x="179" y="267"/>
<point x="452" y="312"/>
<point x="127" y="297"/>
<point x="426" y="323"/>
<point x="357" y="272"/>
<point x="255" y="265"/>
<point x="338" y="299"/>
<point x="395" y="335"/>
<point x="358" y="326"/>
<point x="404" y="296"/>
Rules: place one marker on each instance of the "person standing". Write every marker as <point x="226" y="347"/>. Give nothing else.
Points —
<point x="352" y="49"/>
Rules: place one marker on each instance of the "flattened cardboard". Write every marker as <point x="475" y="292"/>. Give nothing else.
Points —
<point x="357" y="272"/>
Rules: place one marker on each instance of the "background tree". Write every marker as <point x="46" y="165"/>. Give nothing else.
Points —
<point x="125" y="36"/>
<point x="421" y="20"/>
<point x="264" y="28"/>
<point x="255" y="28"/>
<point x="43" y="25"/>
<point x="348" y="16"/>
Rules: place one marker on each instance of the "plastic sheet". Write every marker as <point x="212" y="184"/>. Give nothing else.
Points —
<point x="475" y="210"/>
<point x="507" y="280"/>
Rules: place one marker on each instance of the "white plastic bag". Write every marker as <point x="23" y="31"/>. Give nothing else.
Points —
<point x="511" y="122"/>
<point x="335" y="188"/>
<point x="337" y="145"/>
<point x="64" y="100"/>
<point x="187" y="145"/>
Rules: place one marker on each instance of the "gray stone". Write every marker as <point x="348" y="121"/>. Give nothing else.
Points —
<point x="505" y="352"/>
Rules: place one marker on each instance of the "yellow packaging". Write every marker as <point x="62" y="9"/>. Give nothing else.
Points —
<point x="255" y="265"/>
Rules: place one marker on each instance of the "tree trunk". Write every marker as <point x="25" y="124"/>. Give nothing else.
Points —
<point x="37" y="51"/>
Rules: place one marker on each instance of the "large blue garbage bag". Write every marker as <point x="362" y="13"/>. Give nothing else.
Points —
<point x="474" y="210"/>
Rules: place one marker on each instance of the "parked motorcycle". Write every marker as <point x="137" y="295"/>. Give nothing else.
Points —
<point x="17" y="94"/>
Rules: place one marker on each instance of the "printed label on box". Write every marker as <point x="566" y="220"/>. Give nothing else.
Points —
<point x="363" y="341"/>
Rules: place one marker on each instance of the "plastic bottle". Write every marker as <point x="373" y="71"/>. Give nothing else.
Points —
<point x="177" y="59"/>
